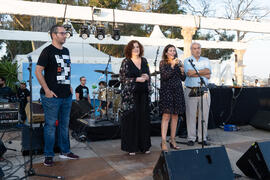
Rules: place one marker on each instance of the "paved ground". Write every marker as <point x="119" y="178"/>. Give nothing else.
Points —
<point x="104" y="160"/>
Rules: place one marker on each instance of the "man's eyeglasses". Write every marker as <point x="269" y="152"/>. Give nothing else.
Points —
<point x="62" y="33"/>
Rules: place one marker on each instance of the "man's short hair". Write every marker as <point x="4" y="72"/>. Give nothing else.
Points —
<point x="102" y="83"/>
<point x="23" y="82"/>
<point x="195" y="43"/>
<point x="54" y="29"/>
<point x="81" y="77"/>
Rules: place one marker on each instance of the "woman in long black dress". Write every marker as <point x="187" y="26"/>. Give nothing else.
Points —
<point x="171" y="95"/>
<point x="135" y="87"/>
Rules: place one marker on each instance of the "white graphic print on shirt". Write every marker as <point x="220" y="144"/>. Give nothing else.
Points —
<point x="63" y="69"/>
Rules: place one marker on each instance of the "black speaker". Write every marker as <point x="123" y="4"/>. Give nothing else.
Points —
<point x="209" y="163"/>
<point x="261" y="120"/>
<point x="80" y="109"/>
<point x="3" y="149"/>
<point x="255" y="163"/>
<point x="37" y="141"/>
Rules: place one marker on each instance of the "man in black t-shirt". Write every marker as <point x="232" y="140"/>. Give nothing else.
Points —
<point x="23" y="94"/>
<point x="56" y="94"/>
<point x="82" y="92"/>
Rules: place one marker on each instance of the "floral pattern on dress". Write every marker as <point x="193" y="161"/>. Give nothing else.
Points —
<point x="128" y="87"/>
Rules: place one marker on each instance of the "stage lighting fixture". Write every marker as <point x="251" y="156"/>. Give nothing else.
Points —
<point x="68" y="29"/>
<point x="97" y="11"/>
<point x="116" y="34"/>
<point x="100" y="33"/>
<point x="84" y="32"/>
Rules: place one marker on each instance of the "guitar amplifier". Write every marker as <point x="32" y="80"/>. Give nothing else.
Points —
<point x="8" y="111"/>
<point x="38" y="113"/>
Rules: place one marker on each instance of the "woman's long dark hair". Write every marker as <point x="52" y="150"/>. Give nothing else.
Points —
<point x="165" y="50"/>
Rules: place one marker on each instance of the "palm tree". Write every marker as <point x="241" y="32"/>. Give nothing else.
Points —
<point x="9" y="70"/>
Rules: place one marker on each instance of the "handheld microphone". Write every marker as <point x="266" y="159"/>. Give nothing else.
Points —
<point x="179" y="64"/>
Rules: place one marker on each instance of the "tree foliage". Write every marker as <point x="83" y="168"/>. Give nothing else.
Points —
<point x="9" y="71"/>
<point x="13" y="48"/>
<point x="222" y="54"/>
<point x="245" y="10"/>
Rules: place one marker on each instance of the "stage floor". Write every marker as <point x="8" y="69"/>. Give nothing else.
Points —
<point x="103" y="160"/>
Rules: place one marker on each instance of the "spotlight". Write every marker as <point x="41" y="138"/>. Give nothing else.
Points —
<point x="84" y="32"/>
<point x="100" y="33"/>
<point x="68" y="29"/>
<point x="116" y="34"/>
<point x="97" y="11"/>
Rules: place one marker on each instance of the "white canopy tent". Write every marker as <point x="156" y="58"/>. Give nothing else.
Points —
<point x="153" y="53"/>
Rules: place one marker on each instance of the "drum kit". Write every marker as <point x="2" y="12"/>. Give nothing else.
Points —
<point x="111" y="94"/>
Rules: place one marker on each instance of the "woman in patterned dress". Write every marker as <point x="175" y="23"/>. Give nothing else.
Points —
<point x="135" y="111"/>
<point x="172" y="102"/>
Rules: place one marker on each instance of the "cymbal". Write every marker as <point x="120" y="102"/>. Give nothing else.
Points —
<point x="155" y="73"/>
<point x="103" y="72"/>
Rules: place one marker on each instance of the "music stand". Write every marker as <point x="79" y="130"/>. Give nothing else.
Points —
<point x="31" y="171"/>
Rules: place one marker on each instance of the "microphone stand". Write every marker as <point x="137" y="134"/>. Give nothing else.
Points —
<point x="106" y="95"/>
<point x="155" y="64"/>
<point x="156" y="104"/>
<point x="31" y="171"/>
<point x="202" y="82"/>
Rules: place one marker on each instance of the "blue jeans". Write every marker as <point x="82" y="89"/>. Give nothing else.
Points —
<point x="56" y="109"/>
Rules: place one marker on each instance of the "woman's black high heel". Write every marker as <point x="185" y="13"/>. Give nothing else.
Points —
<point x="173" y="144"/>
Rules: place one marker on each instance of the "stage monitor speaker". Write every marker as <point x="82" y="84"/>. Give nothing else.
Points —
<point x="209" y="163"/>
<point x="37" y="141"/>
<point x="3" y="149"/>
<point x="255" y="163"/>
<point x="79" y="109"/>
<point x="261" y="120"/>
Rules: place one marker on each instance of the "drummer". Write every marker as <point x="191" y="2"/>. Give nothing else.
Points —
<point x="102" y="92"/>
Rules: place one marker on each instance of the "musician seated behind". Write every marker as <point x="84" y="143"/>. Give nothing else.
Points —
<point x="5" y="92"/>
<point x="102" y="97"/>
<point x="82" y="92"/>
